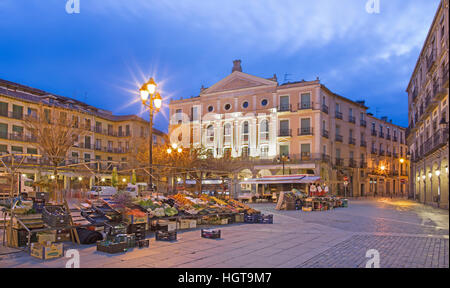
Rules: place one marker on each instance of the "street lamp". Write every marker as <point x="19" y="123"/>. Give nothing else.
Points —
<point x="283" y="159"/>
<point x="438" y="174"/>
<point x="169" y="151"/>
<point x="153" y="101"/>
<point x="402" y="160"/>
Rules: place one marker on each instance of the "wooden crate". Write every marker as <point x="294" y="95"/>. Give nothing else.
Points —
<point x="47" y="251"/>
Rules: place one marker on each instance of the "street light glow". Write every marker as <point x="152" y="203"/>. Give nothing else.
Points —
<point x="437" y="173"/>
<point x="157" y="101"/>
<point x="383" y="167"/>
<point x="103" y="179"/>
<point x="144" y="93"/>
<point x="402" y="160"/>
<point x="151" y="86"/>
<point x="174" y="145"/>
<point x="180" y="150"/>
<point x="169" y="151"/>
<point x="80" y="178"/>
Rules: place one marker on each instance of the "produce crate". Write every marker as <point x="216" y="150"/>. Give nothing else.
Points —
<point x="55" y="216"/>
<point x="46" y="251"/>
<point x="22" y="237"/>
<point x="139" y="235"/>
<point x="44" y="237"/>
<point x="183" y="224"/>
<point x="143" y="243"/>
<point x="116" y="228"/>
<point x="166" y="226"/>
<point x="38" y="206"/>
<point x="210" y="233"/>
<point x="132" y="219"/>
<point x="266" y="219"/>
<point x="111" y="247"/>
<point x="166" y="236"/>
<point x="135" y="228"/>
<point x="239" y="218"/>
<point x="254" y="218"/>
<point x="306" y="209"/>
<point x="63" y="235"/>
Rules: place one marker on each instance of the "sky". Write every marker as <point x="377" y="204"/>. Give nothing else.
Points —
<point x="103" y="54"/>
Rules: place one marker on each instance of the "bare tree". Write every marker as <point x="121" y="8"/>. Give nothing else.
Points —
<point x="54" y="134"/>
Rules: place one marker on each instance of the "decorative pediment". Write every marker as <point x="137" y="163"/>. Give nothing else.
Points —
<point x="238" y="80"/>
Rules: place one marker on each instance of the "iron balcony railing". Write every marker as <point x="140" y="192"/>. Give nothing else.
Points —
<point x="363" y="143"/>
<point x="351" y="119"/>
<point x="284" y="108"/>
<point x="352" y="163"/>
<point x="325" y="133"/>
<point x="339" y="162"/>
<point x="338" y="115"/>
<point x="351" y="141"/>
<point x="374" y="151"/>
<point x="374" y="133"/>
<point x="339" y="138"/>
<point x="388" y="137"/>
<point x="362" y="123"/>
<point x="285" y="133"/>
<point x="305" y="131"/>
<point x="381" y="134"/>
<point x="324" y="108"/>
<point x="305" y="105"/>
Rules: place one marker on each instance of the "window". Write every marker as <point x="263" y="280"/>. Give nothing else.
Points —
<point x="194" y="114"/>
<point x="3" y="131"/>
<point x="264" y="151"/>
<point x="87" y="142"/>
<point x="47" y="115"/>
<point x="3" y="109"/>
<point x="284" y="128"/>
<point x="227" y="133"/>
<point x="154" y="139"/>
<point x="227" y="152"/>
<point x="305" y="101"/>
<point x="17" y="112"/>
<point x="3" y="148"/>
<point x="210" y="108"/>
<point x="245" y="152"/>
<point x="305" y="151"/>
<point x="17" y="130"/>
<point x="284" y="103"/>
<point x="74" y="157"/>
<point x="227" y="106"/>
<point x="264" y="130"/>
<point x="63" y="117"/>
<point x="110" y="145"/>
<point x="245" y="104"/>
<point x="127" y="130"/>
<point x="284" y="150"/>
<point x="210" y="133"/>
<point x="305" y="124"/>
<point x="245" y="131"/>
<point x="121" y="132"/>
<point x="87" y="157"/>
<point x="264" y="102"/>
<point x="98" y="144"/>
<point x="338" y="107"/>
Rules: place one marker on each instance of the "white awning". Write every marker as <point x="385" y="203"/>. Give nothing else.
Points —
<point x="285" y="179"/>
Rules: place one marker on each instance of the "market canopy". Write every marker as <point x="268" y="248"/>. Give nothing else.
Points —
<point x="285" y="179"/>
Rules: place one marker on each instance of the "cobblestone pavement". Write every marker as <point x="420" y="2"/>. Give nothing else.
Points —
<point x="405" y="233"/>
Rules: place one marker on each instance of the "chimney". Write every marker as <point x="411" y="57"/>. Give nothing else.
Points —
<point x="236" y="66"/>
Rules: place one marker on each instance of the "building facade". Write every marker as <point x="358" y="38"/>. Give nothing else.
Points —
<point x="428" y="115"/>
<point x="108" y="140"/>
<point x="318" y="132"/>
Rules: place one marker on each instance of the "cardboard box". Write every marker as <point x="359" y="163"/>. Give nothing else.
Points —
<point x="171" y="225"/>
<point x="47" y="251"/>
<point x="44" y="237"/>
<point x="193" y="223"/>
<point x="131" y="219"/>
<point x="224" y="221"/>
<point x="183" y="224"/>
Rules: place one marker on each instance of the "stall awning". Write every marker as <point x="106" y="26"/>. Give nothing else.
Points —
<point x="285" y="179"/>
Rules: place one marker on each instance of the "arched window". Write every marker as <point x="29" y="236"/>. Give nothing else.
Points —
<point x="245" y="132"/>
<point x="264" y="130"/>
<point x="227" y="133"/>
<point x="210" y="134"/>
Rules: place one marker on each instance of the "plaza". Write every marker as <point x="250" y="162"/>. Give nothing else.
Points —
<point x="405" y="233"/>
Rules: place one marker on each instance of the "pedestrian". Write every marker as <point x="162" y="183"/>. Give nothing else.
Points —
<point x="312" y="189"/>
<point x="319" y="190"/>
<point x="325" y="188"/>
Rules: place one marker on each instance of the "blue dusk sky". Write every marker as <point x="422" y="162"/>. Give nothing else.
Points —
<point x="103" y="54"/>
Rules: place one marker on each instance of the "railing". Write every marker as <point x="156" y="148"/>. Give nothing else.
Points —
<point x="381" y="134"/>
<point x="13" y="115"/>
<point x="305" y="106"/>
<point x="395" y="154"/>
<point x="285" y="133"/>
<point x="388" y="137"/>
<point x="363" y="143"/>
<point x="352" y="163"/>
<point x="339" y="138"/>
<point x="351" y="119"/>
<point x="351" y="141"/>
<point x="338" y="115"/>
<point x="439" y="139"/>
<point x="362" y="123"/>
<point x="381" y="152"/>
<point x="339" y="162"/>
<point x="18" y="137"/>
<point x="374" y="133"/>
<point x="324" y="108"/>
<point x="395" y="139"/>
<point x="284" y="108"/>
<point x="305" y="131"/>
<point x="325" y="133"/>
<point x="362" y="164"/>
<point x="325" y="158"/>
<point x="389" y="154"/>
<point x="374" y="151"/>
<point x="430" y="59"/>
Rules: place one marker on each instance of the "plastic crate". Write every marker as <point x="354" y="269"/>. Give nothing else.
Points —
<point x="266" y="219"/>
<point x="112" y="247"/>
<point x="136" y="228"/>
<point x="210" y="233"/>
<point x="143" y="243"/>
<point x="116" y="228"/>
<point x="55" y="216"/>
<point x="253" y="218"/>
<point x="42" y="196"/>
<point x="165" y="236"/>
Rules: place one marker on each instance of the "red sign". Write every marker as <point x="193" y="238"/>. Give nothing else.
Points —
<point x="345" y="178"/>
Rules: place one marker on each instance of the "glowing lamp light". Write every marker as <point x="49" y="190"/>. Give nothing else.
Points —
<point x="446" y="169"/>
<point x="103" y="179"/>
<point x="178" y="179"/>
<point x="169" y="151"/>
<point x="418" y="178"/>
<point x="24" y="175"/>
<point x="402" y="160"/>
<point x="174" y="145"/>
<point x="80" y="178"/>
<point x="151" y="86"/>
<point x="423" y="177"/>
<point x="180" y="150"/>
<point x="437" y="173"/>
<point x="383" y="168"/>
<point x="430" y="174"/>
<point x="144" y="93"/>
<point x="124" y="180"/>
<point x="52" y="177"/>
<point x="157" y="101"/>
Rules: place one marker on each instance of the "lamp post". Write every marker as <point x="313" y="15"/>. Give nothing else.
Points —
<point x="383" y="169"/>
<point x="424" y="187"/>
<point x="438" y="174"/>
<point x="152" y="100"/>
<point x="169" y="150"/>
<point x="283" y="159"/>
<point x="402" y="160"/>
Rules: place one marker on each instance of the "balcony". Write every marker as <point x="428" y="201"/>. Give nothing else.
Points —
<point x="12" y="115"/>
<point x="307" y="131"/>
<point x="285" y="133"/>
<point x="395" y="155"/>
<point x="338" y="115"/>
<point x="439" y="139"/>
<point x="444" y="76"/>
<point x="388" y="137"/>
<point x="305" y="106"/>
<point x="18" y="137"/>
<point x="395" y="139"/>
<point x="324" y="108"/>
<point x="305" y="156"/>
<point x="351" y="141"/>
<point x="325" y="158"/>
<point x="351" y="119"/>
<point x="381" y="152"/>
<point x="339" y="162"/>
<point x="363" y="143"/>
<point x="325" y="133"/>
<point x="374" y="133"/>
<point x="388" y="154"/>
<point x="285" y="108"/>
<point x="414" y="94"/>
<point x="431" y="59"/>
<point x="362" y="164"/>
<point x="381" y="134"/>
<point x="362" y="123"/>
<point x="352" y="163"/>
<point x="339" y="138"/>
<point x="374" y="151"/>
